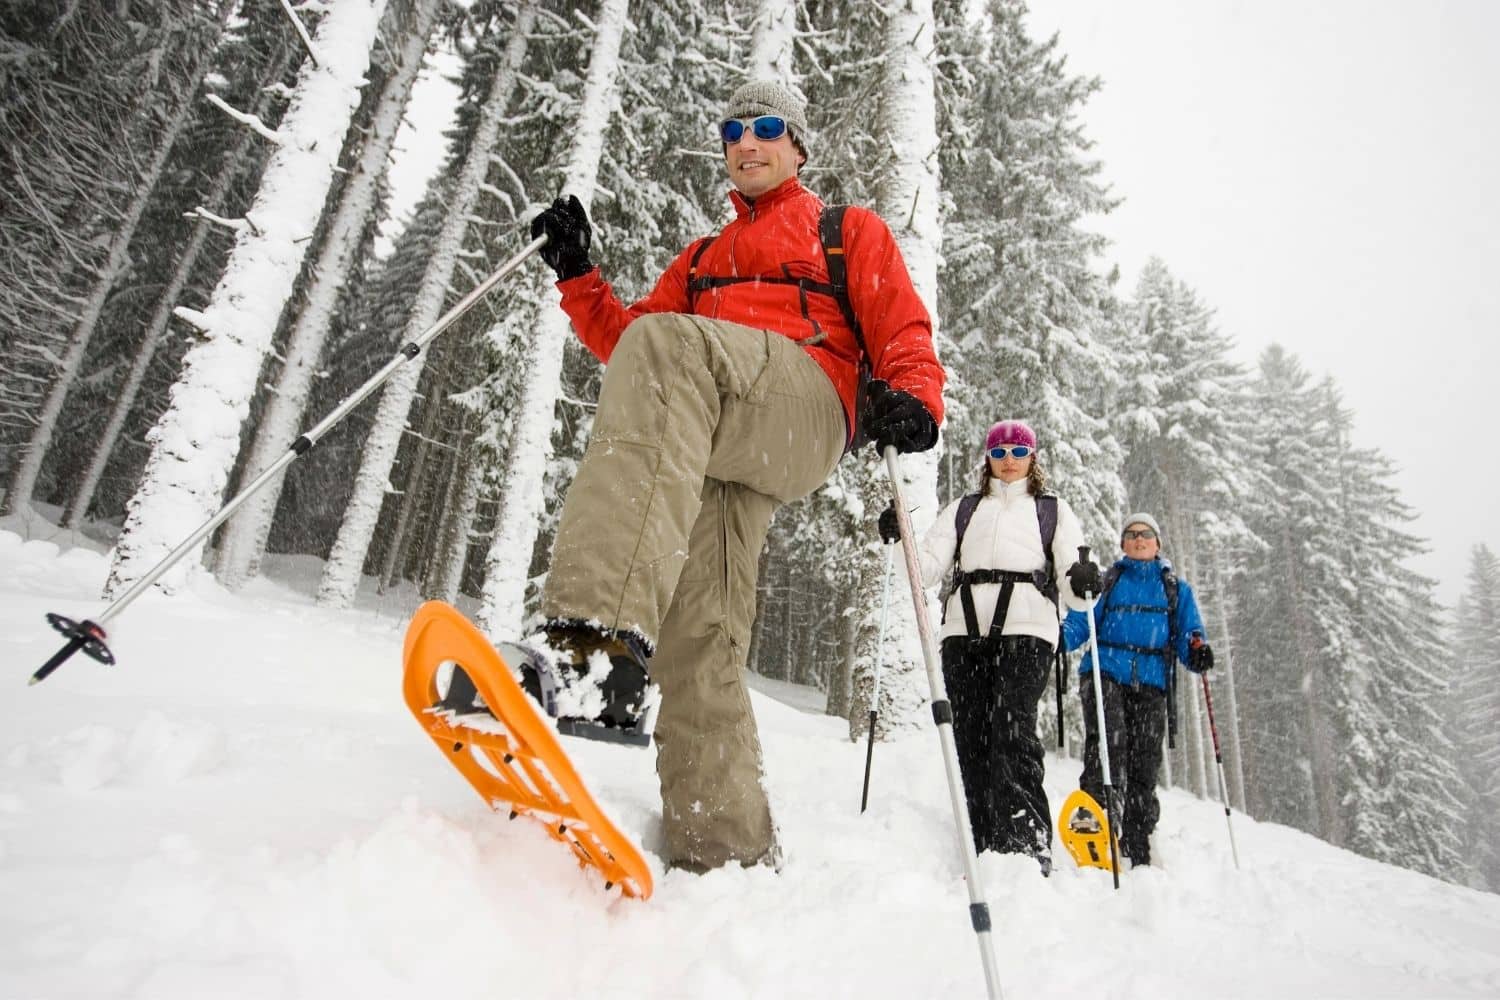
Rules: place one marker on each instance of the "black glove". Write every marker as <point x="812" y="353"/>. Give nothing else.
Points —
<point x="569" y="235"/>
<point x="895" y="417"/>
<point x="1200" y="655"/>
<point x="890" y="528"/>
<point x="1084" y="576"/>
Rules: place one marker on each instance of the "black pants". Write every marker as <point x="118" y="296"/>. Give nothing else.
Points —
<point x="1136" y="718"/>
<point x="994" y="685"/>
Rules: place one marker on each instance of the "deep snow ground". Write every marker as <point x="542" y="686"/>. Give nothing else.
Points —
<point x="243" y="808"/>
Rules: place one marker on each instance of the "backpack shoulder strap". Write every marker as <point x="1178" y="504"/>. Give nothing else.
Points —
<point x="1111" y="577"/>
<point x="1169" y="585"/>
<point x="961" y="518"/>
<point x="831" y="232"/>
<point x="692" y="283"/>
<point x="1046" y="520"/>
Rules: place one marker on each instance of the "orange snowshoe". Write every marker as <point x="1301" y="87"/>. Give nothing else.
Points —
<point x="505" y="747"/>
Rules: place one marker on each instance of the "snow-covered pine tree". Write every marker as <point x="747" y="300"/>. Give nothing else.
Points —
<point x="1398" y="783"/>
<point x="641" y="220"/>
<point x="195" y="443"/>
<point x="244" y="538"/>
<point x="521" y="496"/>
<point x="908" y="196"/>
<point x="1023" y="305"/>
<point x="204" y="246"/>
<point x="1178" y="411"/>
<point x="1294" y="678"/>
<point x="1475" y="712"/>
<point x="346" y="562"/>
<point x="316" y="494"/>
<point x="170" y="75"/>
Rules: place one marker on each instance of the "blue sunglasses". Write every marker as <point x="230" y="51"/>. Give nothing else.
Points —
<point x="1018" y="450"/>
<point x="766" y="128"/>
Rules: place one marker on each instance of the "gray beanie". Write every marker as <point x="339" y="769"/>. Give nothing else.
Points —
<point x="1142" y="518"/>
<point x="762" y="97"/>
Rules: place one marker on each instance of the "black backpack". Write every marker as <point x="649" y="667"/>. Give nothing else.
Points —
<point x="831" y="234"/>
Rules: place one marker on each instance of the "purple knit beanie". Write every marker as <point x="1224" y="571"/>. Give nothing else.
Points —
<point x="1010" y="432"/>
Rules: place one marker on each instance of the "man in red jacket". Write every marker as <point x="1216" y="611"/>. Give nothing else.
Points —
<point x="729" y="390"/>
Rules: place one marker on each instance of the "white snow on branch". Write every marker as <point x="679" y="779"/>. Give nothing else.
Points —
<point x="245" y="118"/>
<point x="241" y="225"/>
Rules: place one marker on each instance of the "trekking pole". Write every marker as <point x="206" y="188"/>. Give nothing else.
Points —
<point x="1171" y="665"/>
<point x="942" y="713"/>
<point x="1059" y="659"/>
<point x="885" y="603"/>
<point x="1109" y="788"/>
<point x="1213" y="730"/>
<point x="89" y="635"/>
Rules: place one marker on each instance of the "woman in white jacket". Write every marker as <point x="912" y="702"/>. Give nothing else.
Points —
<point x="1000" y="628"/>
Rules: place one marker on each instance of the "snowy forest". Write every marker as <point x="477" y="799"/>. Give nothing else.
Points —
<point x="190" y="211"/>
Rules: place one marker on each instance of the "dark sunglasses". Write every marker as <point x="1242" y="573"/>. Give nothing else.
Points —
<point x="1143" y="533"/>
<point x="1018" y="450"/>
<point x="767" y="128"/>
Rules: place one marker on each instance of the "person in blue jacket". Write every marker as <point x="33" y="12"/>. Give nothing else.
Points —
<point x="1140" y="643"/>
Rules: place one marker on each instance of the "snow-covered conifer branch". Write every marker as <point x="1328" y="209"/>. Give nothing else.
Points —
<point x="240" y="225"/>
<point x="245" y="118"/>
<point x="307" y="43"/>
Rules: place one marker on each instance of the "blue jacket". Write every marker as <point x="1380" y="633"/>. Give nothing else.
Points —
<point x="1134" y="613"/>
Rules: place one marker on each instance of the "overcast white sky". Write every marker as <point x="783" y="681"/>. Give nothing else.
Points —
<point x="1325" y="175"/>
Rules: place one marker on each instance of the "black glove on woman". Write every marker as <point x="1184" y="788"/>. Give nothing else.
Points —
<point x="890" y="528"/>
<point x="1200" y="656"/>
<point x="1084" y="576"/>
<point x="569" y="235"/>
<point x="896" y="417"/>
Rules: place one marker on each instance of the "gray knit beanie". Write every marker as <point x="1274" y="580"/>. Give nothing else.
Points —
<point x="762" y="97"/>
<point x="1141" y="518"/>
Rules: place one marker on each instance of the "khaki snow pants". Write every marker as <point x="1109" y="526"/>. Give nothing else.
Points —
<point x="703" y="429"/>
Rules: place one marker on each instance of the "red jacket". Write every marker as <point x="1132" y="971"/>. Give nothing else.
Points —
<point x="777" y="236"/>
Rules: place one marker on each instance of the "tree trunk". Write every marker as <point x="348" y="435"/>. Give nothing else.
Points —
<point x="395" y="553"/>
<point x="772" y="41"/>
<point x="446" y="575"/>
<point x="843" y="673"/>
<point x="23" y="485"/>
<point x="156" y="330"/>
<point x="508" y="564"/>
<point x="196" y="441"/>
<point x="908" y="200"/>
<point x="1229" y="731"/>
<point x="346" y="561"/>
<point x="244" y="538"/>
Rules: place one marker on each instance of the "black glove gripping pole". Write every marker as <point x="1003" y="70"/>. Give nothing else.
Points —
<point x="942" y="712"/>
<point x="1109" y="787"/>
<point x="885" y="603"/>
<point x="1213" y="730"/>
<point x="89" y="635"/>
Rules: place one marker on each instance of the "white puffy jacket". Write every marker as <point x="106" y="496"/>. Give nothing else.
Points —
<point x="1004" y="534"/>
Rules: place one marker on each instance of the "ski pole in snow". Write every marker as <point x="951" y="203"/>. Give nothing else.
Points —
<point x="1109" y="787"/>
<point x="89" y="636"/>
<point x="1059" y="662"/>
<point x="885" y="603"/>
<point x="942" y="713"/>
<point x="1213" y="730"/>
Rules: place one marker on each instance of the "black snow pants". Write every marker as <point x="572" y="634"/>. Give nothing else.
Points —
<point x="1136" y="718"/>
<point x="994" y="685"/>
